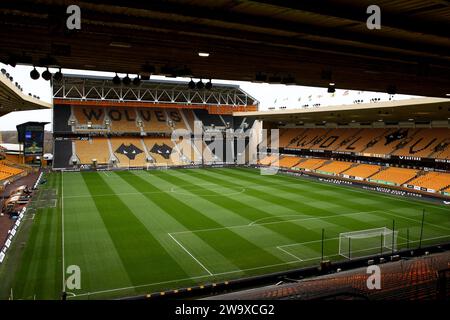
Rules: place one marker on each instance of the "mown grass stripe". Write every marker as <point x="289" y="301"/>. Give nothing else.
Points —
<point x="187" y="215"/>
<point x="144" y="258"/>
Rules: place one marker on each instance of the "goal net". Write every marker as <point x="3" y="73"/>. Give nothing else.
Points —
<point x="361" y="243"/>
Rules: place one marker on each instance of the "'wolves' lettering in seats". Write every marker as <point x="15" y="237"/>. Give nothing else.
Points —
<point x="164" y="150"/>
<point x="397" y="135"/>
<point x="130" y="151"/>
<point x="412" y="149"/>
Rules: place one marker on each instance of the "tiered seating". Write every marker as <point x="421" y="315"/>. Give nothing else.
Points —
<point x="84" y="115"/>
<point x="129" y="151"/>
<point x="268" y="160"/>
<point x="362" y="170"/>
<point x="311" y="164"/>
<point x="288" y="161"/>
<point x="163" y="151"/>
<point x="432" y="180"/>
<point x="95" y="148"/>
<point x="360" y="140"/>
<point x="177" y="119"/>
<point x="190" y="118"/>
<point x="287" y="136"/>
<point x="308" y="138"/>
<point x="7" y="171"/>
<point x="389" y="142"/>
<point x="397" y="176"/>
<point x="123" y="120"/>
<point x="334" y="139"/>
<point x="154" y="120"/>
<point x="423" y="143"/>
<point x="336" y="167"/>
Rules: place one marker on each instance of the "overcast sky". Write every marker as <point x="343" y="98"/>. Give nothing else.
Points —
<point x="269" y="95"/>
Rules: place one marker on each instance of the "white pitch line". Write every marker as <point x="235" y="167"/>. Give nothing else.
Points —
<point x="274" y="222"/>
<point x="62" y="233"/>
<point x="201" y="264"/>
<point x="287" y="252"/>
<point x="229" y="272"/>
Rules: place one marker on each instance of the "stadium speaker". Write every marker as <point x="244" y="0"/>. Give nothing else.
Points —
<point x="191" y="84"/>
<point x="116" y="79"/>
<point x="34" y="74"/>
<point x="58" y="75"/>
<point x="126" y="80"/>
<point x="46" y="75"/>
<point x="200" y="85"/>
<point x="331" y="88"/>
<point x="208" y="85"/>
<point x="137" y="80"/>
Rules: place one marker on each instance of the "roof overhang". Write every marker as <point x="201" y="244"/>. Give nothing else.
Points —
<point x="13" y="99"/>
<point x="417" y="110"/>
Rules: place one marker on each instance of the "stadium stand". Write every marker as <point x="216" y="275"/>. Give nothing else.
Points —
<point x="289" y="161"/>
<point x="426" y="142"/>
<point x="362" y="139"/>
<point x="334" y="139"/>
<point x="390" y="142"/>
<point x="432" y="180"/>
<point x="394" y="175"/>
<point x="362" y="171"/>
<point x="130" y="152"/>
<point x="311" y="164"/>
<point x="413" y="279"/>
<point x="335" y="167"/>
<point x="88" y="115"/>
<point x="123" y="120"/>
<point x="288" y="136"/>
<point x="176" y="119"/>
<point x="268" y="160"/>
<point x="93" y="148"/>
<point x="162" y="151"/>
<point x="308" y="138"/>
<point x="190" y="118"/>
<point x="7" y="171"/>
<point x="423" y="143"/>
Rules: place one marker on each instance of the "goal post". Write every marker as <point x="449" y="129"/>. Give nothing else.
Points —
<point x="361" y="243"/>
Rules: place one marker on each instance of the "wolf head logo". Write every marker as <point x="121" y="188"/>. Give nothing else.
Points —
<point x="163" y="150"/>
<point x="131" y="151"/>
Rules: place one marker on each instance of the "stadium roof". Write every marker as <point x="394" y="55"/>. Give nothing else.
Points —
<point x="13" y="99"/>
<point x="102" y="89"/>
<point x="306" y="42"/>
<point x="417" y="110"/>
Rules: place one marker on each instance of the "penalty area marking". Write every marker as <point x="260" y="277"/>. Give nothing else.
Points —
<point x="219" y="274"/>
<point x="192" y="256"/>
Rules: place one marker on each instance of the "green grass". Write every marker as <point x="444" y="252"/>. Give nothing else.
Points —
<point x="135" y="232"/>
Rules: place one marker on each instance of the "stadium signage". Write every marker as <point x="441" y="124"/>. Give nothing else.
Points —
<point x="409" y="158"/>
<point x="442" y="160"/>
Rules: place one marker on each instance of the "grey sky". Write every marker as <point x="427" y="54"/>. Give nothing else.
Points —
<point x="269" y="95"/>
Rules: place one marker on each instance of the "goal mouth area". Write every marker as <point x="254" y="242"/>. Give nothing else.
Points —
<point x="367" y="242"/>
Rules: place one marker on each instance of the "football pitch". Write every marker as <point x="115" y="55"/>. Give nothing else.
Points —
<point x="137" y="232"/>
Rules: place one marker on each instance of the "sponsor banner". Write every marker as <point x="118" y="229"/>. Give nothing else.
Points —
<point x="392" y="191"/>
<point x="325" y="172"/>
<point x="442" y="160"/>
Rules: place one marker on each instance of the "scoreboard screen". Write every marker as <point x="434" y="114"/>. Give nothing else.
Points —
<point x="33" y="141"/>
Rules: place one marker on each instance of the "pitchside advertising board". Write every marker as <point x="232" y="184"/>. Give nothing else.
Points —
<point x="31" y="136"/>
